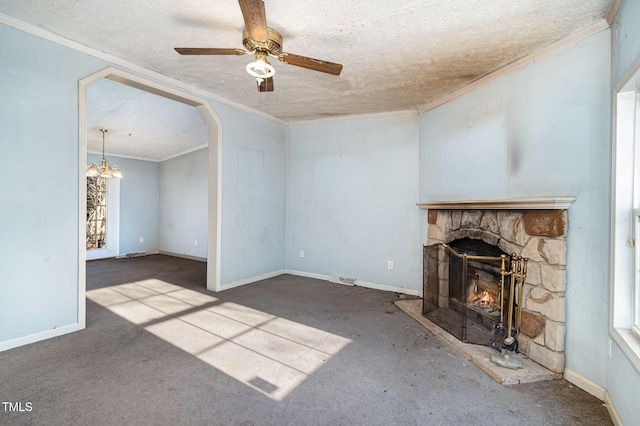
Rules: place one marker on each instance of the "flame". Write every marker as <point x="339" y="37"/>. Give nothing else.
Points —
<point x="485" y="297"/>
<point x="484" y="300"/>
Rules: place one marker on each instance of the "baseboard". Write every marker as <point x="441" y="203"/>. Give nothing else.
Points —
<point x="36" y="337"/>
<point x="615" y="417"/>
<point x="307" y="274"/>
<point x="135" y="254"/>
<point x="357" y="282"/>
<point x="384" y="287"/>
<point x="251" y="280"/>
<point x="182" y="255"/>
<point x="595" y="390"/>
<point x="585" y="384"/>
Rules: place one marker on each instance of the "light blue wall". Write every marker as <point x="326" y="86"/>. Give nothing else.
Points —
<point x="351" y="194"/>
<point x="183" y="204"/>
<point x="624" y="379"/>
<point x="139" y="203"/>
<point x="38" y="210"/>
<point x="39" y="223"/>
<point x="253" y="195"/>
<point x="543" y="130"/>
<point x="625" y="38"/>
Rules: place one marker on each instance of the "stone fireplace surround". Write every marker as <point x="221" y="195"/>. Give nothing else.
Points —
<point x="535" y="228"/>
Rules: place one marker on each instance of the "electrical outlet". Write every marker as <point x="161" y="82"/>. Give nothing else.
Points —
<point x="302" y="254"/>
<point x="142" y="239"/>
<point x="195" y="243"/>
<point x="390" y="264"/>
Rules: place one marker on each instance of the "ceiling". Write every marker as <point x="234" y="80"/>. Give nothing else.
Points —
<point x="397" y="56"/>
<point x="141" y="125"/>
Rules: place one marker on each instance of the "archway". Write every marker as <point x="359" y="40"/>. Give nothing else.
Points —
<point x="214" y="176"/>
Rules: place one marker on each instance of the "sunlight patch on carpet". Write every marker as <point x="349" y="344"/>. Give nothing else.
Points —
<point x="270" y="354"/>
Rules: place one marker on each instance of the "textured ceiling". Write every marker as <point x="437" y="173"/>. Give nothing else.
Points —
<point x="141" y="125"/>
<point x="397" y="55"/>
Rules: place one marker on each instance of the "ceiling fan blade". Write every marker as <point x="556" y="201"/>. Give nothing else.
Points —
<point x="310" y="63"/>
<point x="265" y="85"/>
<point x="208" y="51"/>
<point x="255" y="19"/>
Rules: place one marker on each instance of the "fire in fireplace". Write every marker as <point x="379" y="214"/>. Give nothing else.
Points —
<point x="462" y="290"/>
<point x="535" y="229"/>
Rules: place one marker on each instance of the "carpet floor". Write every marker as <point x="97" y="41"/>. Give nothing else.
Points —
<point x="160" y="349"/>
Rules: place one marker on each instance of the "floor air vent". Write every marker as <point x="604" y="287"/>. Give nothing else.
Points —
<point x="342" y="280"/>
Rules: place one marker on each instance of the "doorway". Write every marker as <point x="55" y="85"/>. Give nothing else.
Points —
<point x="213" y="180"/>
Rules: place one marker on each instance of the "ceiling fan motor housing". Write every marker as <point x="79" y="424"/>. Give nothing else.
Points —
<point x="273" y="45"/>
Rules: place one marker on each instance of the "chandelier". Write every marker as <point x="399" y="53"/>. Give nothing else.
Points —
<point x="104" y="170"/>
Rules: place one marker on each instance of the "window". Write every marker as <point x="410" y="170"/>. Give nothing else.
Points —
<point x="635" y="320"/>
<point x="102" y="218"/>
<point x="96" y="213"/>
<point x="625" y="214"/>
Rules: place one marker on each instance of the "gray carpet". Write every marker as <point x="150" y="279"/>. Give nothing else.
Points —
<point x="354" y="358"/>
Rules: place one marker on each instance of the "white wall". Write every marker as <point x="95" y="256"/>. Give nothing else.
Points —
<point x="543" y="130"/>
<point x="139" y="203"/>
<point x="183" y="204"/>
<point x="624" y="379"/>
<point x="351" y="193"/>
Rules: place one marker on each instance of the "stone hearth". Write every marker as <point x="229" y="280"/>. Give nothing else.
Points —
<point x="529" y="230"/>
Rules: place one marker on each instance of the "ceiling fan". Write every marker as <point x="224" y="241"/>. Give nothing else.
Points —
<point x="264" y="42"/>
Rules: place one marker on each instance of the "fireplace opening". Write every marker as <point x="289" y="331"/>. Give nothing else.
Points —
<point x="462" y="288"/>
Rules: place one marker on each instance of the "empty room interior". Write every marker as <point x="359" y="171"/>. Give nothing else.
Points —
<point x="275" y="212"/>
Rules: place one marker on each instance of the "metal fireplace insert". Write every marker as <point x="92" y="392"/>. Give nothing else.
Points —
<point x="462" y="288"/>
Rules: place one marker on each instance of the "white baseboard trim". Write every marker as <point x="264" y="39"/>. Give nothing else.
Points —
<point x="585" y="384"/>
<point x="36" y="337"/>
<point x="357" y="282"/>
<point x="251" y="280"/>
<point x="135" y="254"/>
<point x="384" y="287"/>
<point x="182" y="255"/>
<point x="307" y="274"/>
<point x="615" y="417"/>
<point x="595" y="390"/>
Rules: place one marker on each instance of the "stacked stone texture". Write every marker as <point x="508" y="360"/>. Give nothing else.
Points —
<point x="540" y="236"/>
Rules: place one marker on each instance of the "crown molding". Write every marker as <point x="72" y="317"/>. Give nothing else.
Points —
<point x="355" y="117"/>
<point x="540" y="203"/>
<point x="153" y="160"/>
<point x="189" y="151"/>
<point x="572" y="38"/>
<point x="612" y="11"/>
<point x="47" y="35"/>
<point x="128" y="157"/>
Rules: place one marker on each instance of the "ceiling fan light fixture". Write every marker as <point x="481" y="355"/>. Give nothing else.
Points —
<point x="263" y="41"/>
<point x="261" y="68"/>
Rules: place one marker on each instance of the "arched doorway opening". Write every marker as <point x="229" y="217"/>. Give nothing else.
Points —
<point x="214" y="173"/>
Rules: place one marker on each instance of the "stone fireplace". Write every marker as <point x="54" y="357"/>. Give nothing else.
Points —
<point x="535" y="228"/>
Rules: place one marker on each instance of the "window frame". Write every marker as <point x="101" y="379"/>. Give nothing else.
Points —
<point x="624" y="324"/>
<point x="635" y="318"/>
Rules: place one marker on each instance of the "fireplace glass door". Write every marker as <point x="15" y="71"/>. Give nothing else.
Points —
<point x="462" y="288"/>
